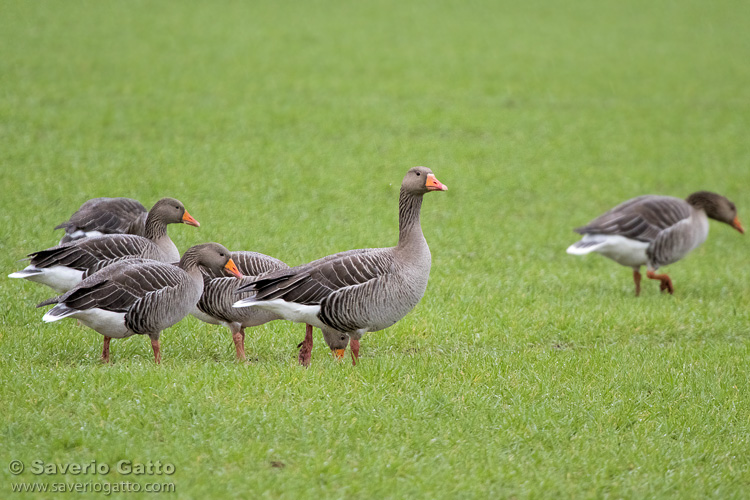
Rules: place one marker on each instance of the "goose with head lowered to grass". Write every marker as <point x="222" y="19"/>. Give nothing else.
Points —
<point x="654" y="231"/>
<point x="64" y="266"/>
<point x="140" y="296"/>
<point x="357" y="291"/>
<point x="99" y="216"/>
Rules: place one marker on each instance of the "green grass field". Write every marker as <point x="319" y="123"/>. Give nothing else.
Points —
<point x="286" y="129"/>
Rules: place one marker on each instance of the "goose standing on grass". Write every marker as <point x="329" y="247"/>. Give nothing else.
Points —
<point x="140" y="296"/>
<point x="654" y="231"/>
<point x="64" y="266"/>
<point x="357" y="291"/>
<point x="100" y="216"/>
<point x="220" y="292"/>
<point x="215" y="304"/>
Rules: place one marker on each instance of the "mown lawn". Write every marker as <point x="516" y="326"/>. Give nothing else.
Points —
<point x="286" y="129"/>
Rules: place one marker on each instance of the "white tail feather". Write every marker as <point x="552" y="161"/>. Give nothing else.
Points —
<point x="291" y="311"/>
<point x="25" y="273"/>
<point x="58" y="312"/>
<point x="248" y="302"/>
<point x="584" y="247"/>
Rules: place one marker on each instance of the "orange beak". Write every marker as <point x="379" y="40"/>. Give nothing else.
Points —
<point x="433" y="184"/>
<point x="737" y="225"/>
<point x="338" y="353"/>
<point x="188" y="219"/>
<point x="232" y="268"/>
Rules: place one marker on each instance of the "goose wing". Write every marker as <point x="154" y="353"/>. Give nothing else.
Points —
<point x="107" y="215"/>
<point x="311" y="283"/>
<point x="118" y="287"/>
<point x="87" y="253"/>
<point x="641" y="218"/>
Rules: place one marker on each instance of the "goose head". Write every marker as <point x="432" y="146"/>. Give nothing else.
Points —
<point x="172" y="211"/>
<point x="717" y="207"/>
<point x="215" y="258"/>
<point x="336" y="341"/>
<point x="420" y="180"/>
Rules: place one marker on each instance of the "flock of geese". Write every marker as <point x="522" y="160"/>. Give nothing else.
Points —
<point x="120" y="274"/>
<point x="125" y="284"/>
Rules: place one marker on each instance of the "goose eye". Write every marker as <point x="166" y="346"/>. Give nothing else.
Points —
<point x="418" y="174"/>
<point x="342" y="338"/>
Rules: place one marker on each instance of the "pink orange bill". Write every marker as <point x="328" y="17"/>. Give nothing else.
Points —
<point x="433" y="184"/>
<point x="188" y="219"/>
<point x="738" y="225"/>
<point x="232" y="268"/>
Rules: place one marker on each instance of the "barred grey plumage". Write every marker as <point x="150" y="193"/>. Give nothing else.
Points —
<point x="359" y="290"/>
<point x="105" y="216"/>
<point x="56" y="267"/>
<point x="654" y="231"/>
<point x="140" y="296"/>
<point x="215" y="304"/>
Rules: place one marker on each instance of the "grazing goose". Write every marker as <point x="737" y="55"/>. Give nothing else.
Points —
<point x="337" y="342"/>
<point x="357" y="291"/>
<point x="654" y="231"/>
<point x="220" y="292"/>
<point x="100" y="216"/>
<point x="64" y="266"/>
<point x="140" y="296"/>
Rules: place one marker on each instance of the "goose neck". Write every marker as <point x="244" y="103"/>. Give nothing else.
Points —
<point x="189" y="261"/>
<point x="409" y="226"/>
<point x="155" y="228"/>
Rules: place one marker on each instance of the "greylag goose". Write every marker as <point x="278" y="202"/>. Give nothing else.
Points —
<point x="357" y="291"/>
<point x="215" y="304"/>
<point x="100" y="216"/>
<point x="140" y="296"/>
<point x="220" y="292"/>
<point x="64" y="266"/>
<point x="654" y="231"/>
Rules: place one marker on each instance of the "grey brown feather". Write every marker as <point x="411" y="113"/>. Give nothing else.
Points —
<point x="641" y="218"/>
<point x="106" y="216"/>
<point x="220" y="292"/>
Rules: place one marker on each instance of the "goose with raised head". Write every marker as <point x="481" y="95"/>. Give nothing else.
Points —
<point x="64" y="266"/>
<point x="654" y="231"/>
<point x="140" y="296"/>
<point x="99" y="216"/>
<point x="357" y="291"/>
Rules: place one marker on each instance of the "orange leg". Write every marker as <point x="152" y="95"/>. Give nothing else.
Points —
<point x="305" y="352"/>
<point x="105" y="350"/>
<point x="157" y="350"/>
<point x="666" y="282"/>
<point x="354" y="345"/>
<point x="637" y="279"/>
<point x="239" y="344"/>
